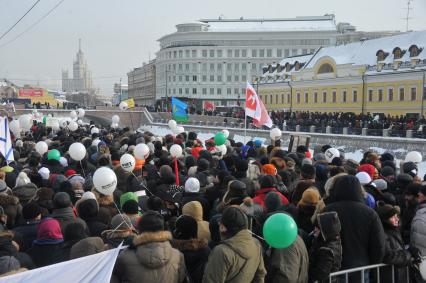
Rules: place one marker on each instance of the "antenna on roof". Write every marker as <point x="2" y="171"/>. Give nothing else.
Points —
<point x="407" y="18"/>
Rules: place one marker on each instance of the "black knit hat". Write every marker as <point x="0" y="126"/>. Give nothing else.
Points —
<point x="61" y="200"/>
<point x="386" y="211"/>
<point x="234" y="220"/>
<point x="272" y="202"/>
<point x="185" y="228"/>
<point x="131" y="207"/>
<point x="151" y="221"/>
<point x="31" y="210"/>
<point x="410" y="168"/>
<point x="267" y="181"/>
<point x="387" y="156"/>
<point x="387" y="171"/>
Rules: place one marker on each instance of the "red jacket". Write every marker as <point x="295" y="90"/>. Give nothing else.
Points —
<point x="260" y="196"/>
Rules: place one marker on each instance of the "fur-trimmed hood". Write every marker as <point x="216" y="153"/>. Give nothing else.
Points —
<point x="6" y="200"/>
<point x="103" y="200"/>
<point x="153" y="249"/>
<point x="189" y="245"/>
<point x="152" y="237"/>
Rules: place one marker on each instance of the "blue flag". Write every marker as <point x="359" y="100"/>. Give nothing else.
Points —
<point x="179" y="110"/>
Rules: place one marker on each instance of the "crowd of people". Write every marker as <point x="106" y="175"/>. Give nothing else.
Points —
<point x="201" y="218"/>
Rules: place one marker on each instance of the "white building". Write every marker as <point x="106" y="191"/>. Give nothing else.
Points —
<point x="141" y="83"/>
<point x="211" y="60"/>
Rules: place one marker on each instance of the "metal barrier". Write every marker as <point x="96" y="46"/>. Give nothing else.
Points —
<point x="363" y="274"/>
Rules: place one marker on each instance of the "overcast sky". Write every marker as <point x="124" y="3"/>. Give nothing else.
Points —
<point x="118" y="35"/>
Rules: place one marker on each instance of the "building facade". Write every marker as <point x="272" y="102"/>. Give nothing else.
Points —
<point x="142" y="82"/>
<point x="385" y="75"/>
<point x="121" y="92"/>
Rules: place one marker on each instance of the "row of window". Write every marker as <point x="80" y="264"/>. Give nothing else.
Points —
<point x="211" y="78"/>
<point x="236" y="67"/>
<point x="211" y="91"/>
<point x="324" y="98"/>
<point x="238" y="53"/>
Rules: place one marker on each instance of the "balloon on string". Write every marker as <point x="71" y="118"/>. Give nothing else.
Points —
<point x="414" y="156"/>
<point x="25" y="122"/>
<point x="53" y="154"/>
<point x="15" y="127"/>
<point x="226" y="133"/>
<point x="123" y="105"/>
<point x="141" y="151"/>
<point x="73" y="114"/>
<point x="176" y="151"/>
<point x="105" y="180"/>
<point x="94" y="130"/>
<point x="219" y="138"/>
<point x="115" y="119"/>
<point x="41" y="147"/>
<point x="275" y="133"/>
<point x="73" y="126"/>
<point x="127" y="162"/>
<point x="280" y="230"/>
<point x="80" y="112"/>
<point x="172" y="124"/>
<point x="222" y="148"/>
<point x="77" y="151"/>
<point x="331" y="153"/>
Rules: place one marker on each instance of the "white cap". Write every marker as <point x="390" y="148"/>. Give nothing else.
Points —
<point x="363" y="178"/>
<point x="44" y="172"/>
<point x="192" y="185"/>
<point x="63" y="161"/>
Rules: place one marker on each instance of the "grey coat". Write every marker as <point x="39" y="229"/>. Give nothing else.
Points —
<point x="418" y="229"/>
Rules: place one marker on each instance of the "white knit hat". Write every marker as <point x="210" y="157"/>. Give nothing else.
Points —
<point x="192" y="185"/>
<point x="363" y="178"/>
<point x="63" y="161"/>
<point x="44" y="172"/>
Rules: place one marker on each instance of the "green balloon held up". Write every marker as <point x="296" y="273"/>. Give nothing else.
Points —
<point x="219" y="138"/>
<point x="44" y="119"/>
<point x="53" y="155"/>
<point x="280" y="230"/>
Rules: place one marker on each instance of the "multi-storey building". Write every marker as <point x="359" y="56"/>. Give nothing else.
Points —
<point x="141" y="82"/>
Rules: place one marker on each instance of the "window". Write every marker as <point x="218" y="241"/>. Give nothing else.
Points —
<point x="253" y="66"/>
<point x="194" y="53"/>
<point x="244" y="53"/>
<point x="279" y="53"/>
<point x="174" y="91"/>
<point x="180" y="91"/>
<point x="235" y="90"/>
<point x="204" y="78"/>
<point x="180" y="53"/>
<point x="186" y="90"/>
<point x="237" y="78"/>
<point x="174" y="78"/>
<point x="286" y="52"/>
<point x="424" y="92"/>
<point x="370" y="95"/>
<point x="211" y="67"/>
<point x="243" y="78"/>
<point x="236" y="67"/>
<point x="204" y="90"/>
<point x="268" y="53"/>
<point x="219" y="67"/>
<point x="228" y="91"/>
<point x="174" y="67"/>
<point x="194" y="67"/>
<point x="211" y="78"/>
<point x="344" y="96"/>
<point x="180" y="78"/>
<point x="204" y="53"/>
<point x="219" y="91"/>
<point x="413" y="94"/>
<point x="244" y="66"/>
<point x="194" y="78"/>
<point x="204" y="67"/>
<point x="261" y="53"/>
<point x="219" y="78"/>
<point x="243" y="91"/>
<point x="180" y="67"/>
<point x="334" y="96"/>
<point x="298" y="98"/>
<point x="304" y="51"/>
<point x="211" y="53"/>
<point x="186" y="67"/>
<point x="236" y="53"/>
<point x="254" y="53"/>
<point x="174" y="54"/>
<point x="306" y="97"/>
<point x="266" y="99"/>
<point x="219" y="53"/>
<point x="228" y="78"/>
<point x="380" y="95"/>
<point x="288" y="97"/>
<point x="294" y="52"/>
<point x="194" y="90"/>
<point x="315" y="97"/>
<point x="325" y="68"/>
<point x="324" y="96"/>
<point x="211" y="90"/>
<point x="354" y="96"/>
<point x="401" y="94"/>
<point x="229" y="51"/>
<point x="187" y="53"/>
<point x="187" y="78"/>
<point x="390" y="94"/>
<point x="228" y="66"/>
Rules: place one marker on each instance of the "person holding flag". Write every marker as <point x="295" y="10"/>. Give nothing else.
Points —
<point x="256" y="109"/>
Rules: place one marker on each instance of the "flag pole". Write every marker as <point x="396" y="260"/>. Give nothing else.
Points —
<point x="245" y="125"/>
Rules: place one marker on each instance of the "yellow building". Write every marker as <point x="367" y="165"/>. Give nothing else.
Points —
<point x="385" y="75"/>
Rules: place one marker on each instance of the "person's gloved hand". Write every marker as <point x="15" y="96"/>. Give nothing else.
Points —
<point x="415" y="254"/>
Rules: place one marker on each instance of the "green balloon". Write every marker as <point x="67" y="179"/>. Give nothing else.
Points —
<point x="44" y="120"/>
<point x="53" y="155"/>
<point x="280" y="230"/>
<point x="219" y="138"/>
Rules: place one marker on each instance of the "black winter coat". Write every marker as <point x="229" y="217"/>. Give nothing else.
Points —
<point x="8" y="249"/>
<point x="43" y="255"/>
<point x="28" y="233"/>
<point x="188" y="197"/>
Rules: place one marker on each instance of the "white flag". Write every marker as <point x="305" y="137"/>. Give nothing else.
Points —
<point x="6" y="148"/>
<point x="95" y="268"/>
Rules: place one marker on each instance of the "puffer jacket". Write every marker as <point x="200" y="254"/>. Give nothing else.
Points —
<point x="151" y="259"/>
<point x="418" y="229"/>
<point x="66" y="216"/>
<point x="236" y="260"/>
<point x="25" y="193"/>
<point x="12" y="208"/>
<point x="195" y="210"/>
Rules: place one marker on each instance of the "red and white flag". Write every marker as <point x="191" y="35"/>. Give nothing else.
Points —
<point x="255" y="108"/>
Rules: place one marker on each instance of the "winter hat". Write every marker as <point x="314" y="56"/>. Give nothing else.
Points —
<point x="272" y="202"/>
<point x="44" y="172"/>
<point x="126" y="197"/>
<point x="234" y="220"/>
<point x="75" y="231"/>
<point x="410" y="168"/>
<point x="387" y="171"/>
<point x="151" y="221"/>
<point x="306" y="161"/>
<point x="63" y="161"/>
<point x="363" y="177"/>
<point x="403" y="180"/>
<point x="386" y="211"/>
<point x="269" y="169"/>
<point x="367" y="168"/>
<point x="130" y="207"/>
<point x="165" y="170"/>
<point x="350" y="166"/>
<point x="387" y="156"/>
<point x="121" y="222"/>
<point x="70" y="172"/>
<point x="370" y="201"/>
<point x="8" y="264"/>
<point x="186" y="228"/>
<point x="85" y="196"/>
<point x="49" y="229"/>
<point x="192" y="185"/>
<point x="88" y="208"/>
<point x="22" y="179"/>
<point x="380" y="184"/>
<point x="267" y="181"/>
<point x="31" y="210"/>
<point x="310" y="197"/>
<point x="3" y="186"/>
<point x="319" y="157"/>
<point x="413" y="189"/>
<point x="61" y="200"/>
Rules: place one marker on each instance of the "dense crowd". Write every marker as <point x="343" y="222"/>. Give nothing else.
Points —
<point x="201" y="218"/>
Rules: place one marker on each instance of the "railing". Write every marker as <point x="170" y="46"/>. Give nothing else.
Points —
<point x="363" y="274"/>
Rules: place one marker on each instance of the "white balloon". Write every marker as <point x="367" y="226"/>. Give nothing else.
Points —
<point x="414" y="156"/>
<point x="114" y="125"/>
<point x="176" y="151"/>
<point x="331" y="153"/>
<point x="127" y="162"/>
<point x="180" y="130"/>
<point x="77" y="151"/>
<point x="41" y="147"/>
<point x="172" y="124"/>
<point x="115" y="119"/>
<point x="422" y="268"/>
<point x="80" y="122"/>
<point x="222" y="148"/>
<point x="94" y="130"/>
<point x="95" y="142"/>
<point x="105" y="180"/>
<point x="47" y="141"/>
<point x="123" y="105"/>
<point x="275" y="133"/>
<point x="73" y="114"/>
<point x="25" y="122"/>
<point x="64" y="122"/>
<point x="226" y="133"/>
<point x="14" y="127"/>
<point x="73" y="126"/>
<point x="80" y="112"/>
<point x="141" y="151"/>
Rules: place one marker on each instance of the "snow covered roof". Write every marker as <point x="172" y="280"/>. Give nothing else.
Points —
<point x="294" y="59"/>
<point x="364" y="52"/>
<point x="323" y="23"/>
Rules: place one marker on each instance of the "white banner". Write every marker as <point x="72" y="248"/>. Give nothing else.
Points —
<point x="6" y="148"/>
<point x="52" y="122"/>
<point x="95" y="268"/>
